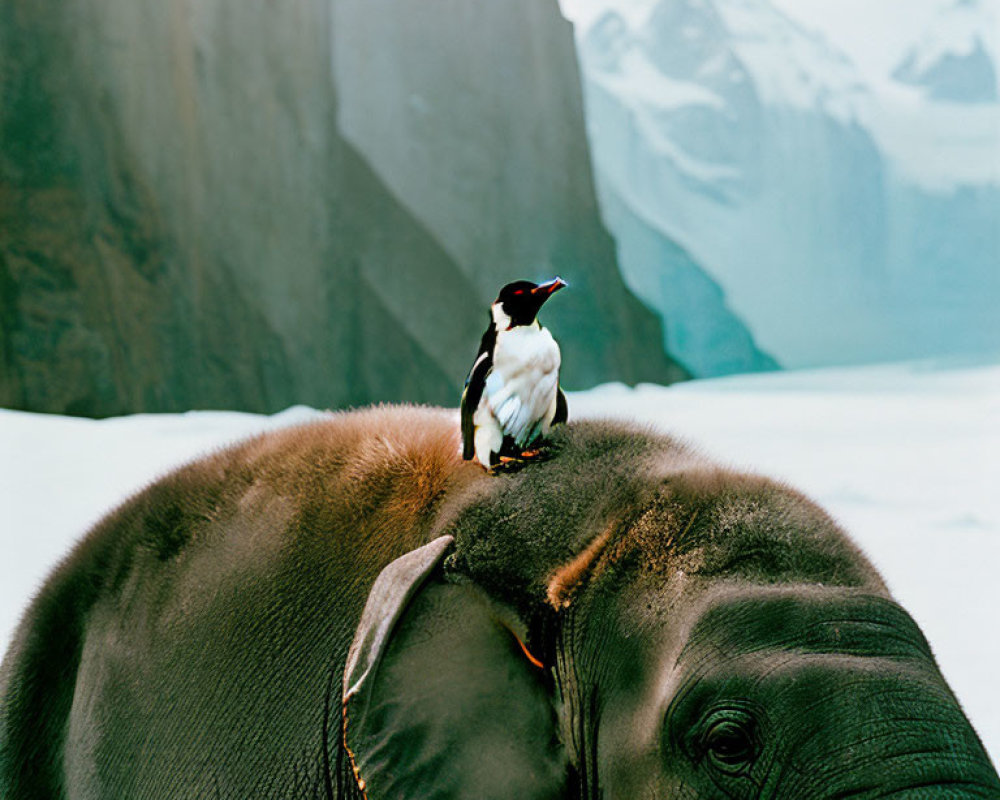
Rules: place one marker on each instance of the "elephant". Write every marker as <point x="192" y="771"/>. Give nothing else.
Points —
<point x="346" y="609"/>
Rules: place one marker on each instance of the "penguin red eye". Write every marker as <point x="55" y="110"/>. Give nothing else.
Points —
<point x="519" y="291"/>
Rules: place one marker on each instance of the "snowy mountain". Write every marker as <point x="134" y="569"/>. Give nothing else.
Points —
<point x="967" y="77"/>
<point x="834" y="167"/>
<point x="954" y="60"/>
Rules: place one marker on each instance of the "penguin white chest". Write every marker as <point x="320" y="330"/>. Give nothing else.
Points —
<point x="520" y="391"/>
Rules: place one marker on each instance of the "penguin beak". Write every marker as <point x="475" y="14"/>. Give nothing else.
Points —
<point x="544" y="290"/>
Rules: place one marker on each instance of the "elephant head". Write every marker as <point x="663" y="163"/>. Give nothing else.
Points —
<point x="623" y="620"/>
<point x="789" y="692"/>
<point x="712" y="635"/>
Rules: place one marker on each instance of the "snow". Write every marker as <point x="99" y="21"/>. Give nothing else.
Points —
<point x="904" y="456"/>
<point x="584" y="13"/>
<point x="878" y="36"/>
<point x="936" y="145"/>
<point x="60" y="475"/>
<point x="791" y="66"/>
<point x="640" y="81"/>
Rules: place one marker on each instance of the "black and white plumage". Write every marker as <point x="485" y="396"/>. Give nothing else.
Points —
<point x="512" y="396"/>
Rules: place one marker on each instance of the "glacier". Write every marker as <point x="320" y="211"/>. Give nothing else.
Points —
<point x="834" y="168"/>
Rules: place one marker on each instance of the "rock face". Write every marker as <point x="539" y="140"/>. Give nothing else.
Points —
<point x="182" y="223"/>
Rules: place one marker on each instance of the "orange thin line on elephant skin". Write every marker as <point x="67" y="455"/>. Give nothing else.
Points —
<point x="350" y="756"/>
<point x="527" y="653"/>
<point x="524" y="648"/>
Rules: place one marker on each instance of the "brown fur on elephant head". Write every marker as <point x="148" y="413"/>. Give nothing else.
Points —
<point x="347" y="609"/>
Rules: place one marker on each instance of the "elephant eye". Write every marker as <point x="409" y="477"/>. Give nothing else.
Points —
<point x="729" y="740"/>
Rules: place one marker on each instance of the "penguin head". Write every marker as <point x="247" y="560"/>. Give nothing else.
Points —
<point x="518" y="302"/>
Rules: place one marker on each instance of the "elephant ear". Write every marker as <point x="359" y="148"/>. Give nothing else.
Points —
<point x="440" y="700"/>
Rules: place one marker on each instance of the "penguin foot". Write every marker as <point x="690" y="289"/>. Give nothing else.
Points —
<point x="506" y="465"/>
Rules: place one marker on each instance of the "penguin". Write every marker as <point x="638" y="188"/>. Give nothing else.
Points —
<point x="512" y="396"/>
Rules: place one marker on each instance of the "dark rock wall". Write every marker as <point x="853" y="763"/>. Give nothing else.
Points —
<point x="183" y="225"/>
<point x="472" y="114"/>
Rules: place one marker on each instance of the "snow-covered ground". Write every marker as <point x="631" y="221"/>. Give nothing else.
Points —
<point x="906" y="457"/>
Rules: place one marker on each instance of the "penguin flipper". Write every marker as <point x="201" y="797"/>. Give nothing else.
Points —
<point x="562" y="408"/>
<point x="472" y="394"/>
<point x="468" y="427"/>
